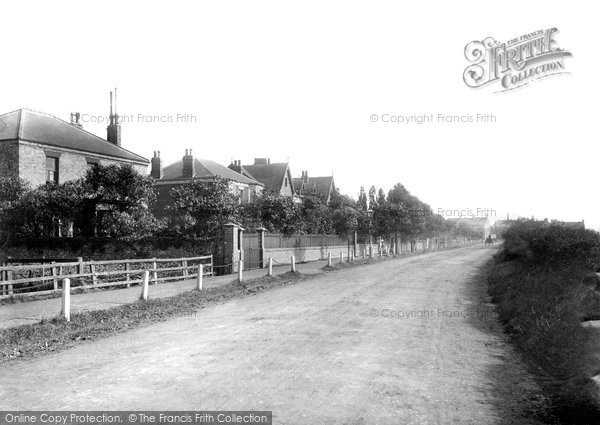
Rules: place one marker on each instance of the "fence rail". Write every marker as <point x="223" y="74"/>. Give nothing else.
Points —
<point x="38" y="279"/>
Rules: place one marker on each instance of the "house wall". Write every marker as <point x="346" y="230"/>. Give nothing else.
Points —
<point x="72" y="165"/>
<point x="286" y="190"/>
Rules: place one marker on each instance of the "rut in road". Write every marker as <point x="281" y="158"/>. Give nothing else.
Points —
<point x="324" y="350"/>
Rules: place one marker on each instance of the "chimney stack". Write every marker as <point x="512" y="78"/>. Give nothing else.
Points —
<point x="156" y="170"/>
<point x="305" y="176"/>
<point x="113" y="131"/>
<point x="75" y="116"/>
<point x="189" y="167"/>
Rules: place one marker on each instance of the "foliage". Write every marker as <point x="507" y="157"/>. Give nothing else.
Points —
<point x="278" y="214"/>
<point x="200" y="208"/>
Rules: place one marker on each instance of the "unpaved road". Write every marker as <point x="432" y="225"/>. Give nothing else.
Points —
<point x="323" y="351"/>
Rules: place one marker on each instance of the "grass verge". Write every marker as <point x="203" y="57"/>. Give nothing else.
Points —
<point x="542" y="307"/>
<point x="56" y="334"/>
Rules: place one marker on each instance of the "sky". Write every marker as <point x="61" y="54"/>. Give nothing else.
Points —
<point x="301" y="82"/>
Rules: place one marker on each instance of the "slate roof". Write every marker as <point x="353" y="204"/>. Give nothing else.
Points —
<point x="322" y="185"/>
<point x="205" y="168"/>
<point x="38" y="127"/>
<point x="271" y="175"/>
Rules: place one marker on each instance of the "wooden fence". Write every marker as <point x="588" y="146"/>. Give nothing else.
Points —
<point x="38" y="279"/>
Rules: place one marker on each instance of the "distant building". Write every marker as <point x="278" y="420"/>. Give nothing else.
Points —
<point x="323" y="186"/>
<point x="474" y="226"/>
<point x="190" y="169"/>
<point x="276" y="177"/>
<point x="41" y="148"/>
<point x="570" y="224"/>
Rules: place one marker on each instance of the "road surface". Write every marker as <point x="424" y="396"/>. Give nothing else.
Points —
<point x="407" y="341"/>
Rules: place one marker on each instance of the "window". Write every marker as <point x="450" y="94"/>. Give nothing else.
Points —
<point x="51" y="169"/>
<point x="91" y="162"/>
<point x="286" y="182"/>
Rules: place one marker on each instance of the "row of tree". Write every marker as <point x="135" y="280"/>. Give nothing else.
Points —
<point x="115" y="201"/>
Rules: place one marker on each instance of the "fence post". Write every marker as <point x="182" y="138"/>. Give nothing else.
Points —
<point x="341" y="257"/>
<point x="54" y="281"/>
<point x="66" y="299"/>
<point x="364" y="253"/>
<point x="240" y="270"/>
<point x="370" y="251"/>
<point x="145" y="282"/>
<point x="9" y="274"/>
<point x="200" y="276"/>
<point x="155" y="271"/>
<point x="293" y="264"/>
<point x="351" y="256"/>
<point x="93" y="272"/>
<point x="270" y="271"/>
<point x="329" y="259"/>
<point x="185" y="267"/>
<point x="127" y="277"/>
<point x="80" y="261"/>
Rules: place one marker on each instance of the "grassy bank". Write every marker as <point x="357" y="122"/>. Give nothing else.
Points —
<point x="57" y="334"/>
<point x="545" y="287"/>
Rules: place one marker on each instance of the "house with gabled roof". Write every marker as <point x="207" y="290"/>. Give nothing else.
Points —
<point x="276" y="177"/>
<point x="190" y="169"/>
<point x="41" y="148"/>
<point x="323" y="186"/>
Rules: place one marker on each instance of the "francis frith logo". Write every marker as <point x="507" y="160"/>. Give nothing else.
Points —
<point x="514" y="63"/>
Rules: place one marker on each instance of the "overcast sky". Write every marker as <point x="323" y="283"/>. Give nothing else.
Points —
<point x="300" y="81"/>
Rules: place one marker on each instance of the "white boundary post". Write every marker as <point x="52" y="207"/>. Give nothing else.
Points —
<point x="329" y="259"/>
<point x="66" y="299"/>
<point x="270" y="270"/>
<point x="293" y="263"/>
<point x="351" y="256"/>
<point x="145" y="282"/>
<point x="341" y="257"/>
<point x="200" y="276"/>
<point x="240" y="270"/>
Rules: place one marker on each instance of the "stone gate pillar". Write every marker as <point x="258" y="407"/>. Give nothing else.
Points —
<point x="231" y="246"/>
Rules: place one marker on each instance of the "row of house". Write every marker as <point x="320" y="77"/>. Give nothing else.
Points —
<point x="41" y="148"/>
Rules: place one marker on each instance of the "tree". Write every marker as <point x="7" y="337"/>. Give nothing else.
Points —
<point x="316" y="215"/>
<point x="278" y="214"/>
<point x="345" y="221"/>
<point x="112" y="193"/>
<point x="201" y="208"/>
<point x="372" y="197"/>
<point x="362" y="202"/>
<point x="12" y="191"/>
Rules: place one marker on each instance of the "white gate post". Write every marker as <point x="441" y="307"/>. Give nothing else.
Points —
<point x="270" y="272"/>
<point x="293" y="263"/>
<point x="329" y="259"/>
<point x="145" y="285"/>
<point x="240" y="270"/>
<point x="66" y="299"/>
<point x="200" y="276"/>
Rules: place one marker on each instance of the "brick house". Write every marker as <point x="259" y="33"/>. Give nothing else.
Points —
<point x="323" y="186"/>
<point x="41" y="148"/>
<point x="190" y="169"/>
<point x="276" y="177"/>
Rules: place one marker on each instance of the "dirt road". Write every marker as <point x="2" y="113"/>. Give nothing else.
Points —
<point x="408" y="341"/>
